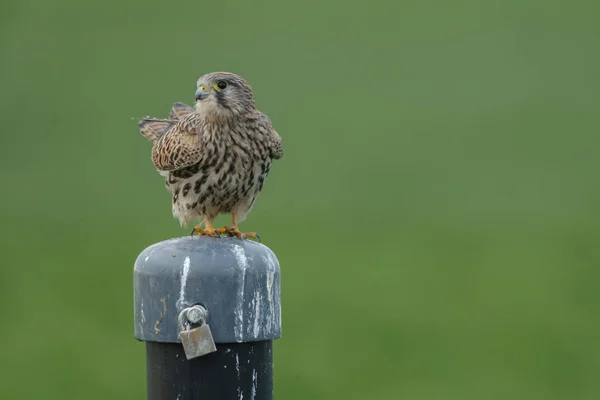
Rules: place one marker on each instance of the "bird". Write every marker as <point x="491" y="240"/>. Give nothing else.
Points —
<point x="216" y="155"/>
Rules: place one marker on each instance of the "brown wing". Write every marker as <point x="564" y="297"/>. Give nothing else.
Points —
<point x="276" y="146"/>
<point x="180" y="110"/>
<point x="275" y="143"/>
<point x="180" y="146"/>
<point x="153" y="128"/>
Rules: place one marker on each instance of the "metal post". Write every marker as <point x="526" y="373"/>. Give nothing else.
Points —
<point x="221" y="286"/>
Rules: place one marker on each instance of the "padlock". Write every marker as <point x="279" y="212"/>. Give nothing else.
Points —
<point x="196" y="341"/>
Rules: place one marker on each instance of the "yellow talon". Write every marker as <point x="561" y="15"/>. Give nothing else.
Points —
<point x="208" y="231"/>
<point x="233" y="231"/>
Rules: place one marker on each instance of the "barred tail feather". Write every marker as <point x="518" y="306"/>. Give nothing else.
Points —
<point x="180" y="110"/>
<point x="152" y="129"/>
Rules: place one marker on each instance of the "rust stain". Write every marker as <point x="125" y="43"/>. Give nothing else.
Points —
<point x="162" y="315"/>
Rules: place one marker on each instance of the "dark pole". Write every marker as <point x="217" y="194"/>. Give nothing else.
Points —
<point x="200" y="289"/>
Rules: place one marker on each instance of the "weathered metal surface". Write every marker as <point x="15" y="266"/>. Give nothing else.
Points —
<point x="236" y="280"/>
<point x="235" y="371"/>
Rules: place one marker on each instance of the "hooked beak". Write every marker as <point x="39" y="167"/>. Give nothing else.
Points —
<point x="201" y="94"/>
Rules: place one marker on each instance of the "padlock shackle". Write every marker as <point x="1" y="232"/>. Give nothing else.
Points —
<point x="183" y="317"/>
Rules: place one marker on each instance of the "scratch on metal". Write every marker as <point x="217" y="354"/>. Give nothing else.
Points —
<point x="162" y="315"/>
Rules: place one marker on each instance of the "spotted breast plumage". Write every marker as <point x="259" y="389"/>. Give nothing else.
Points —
<point x="215" y="156"/>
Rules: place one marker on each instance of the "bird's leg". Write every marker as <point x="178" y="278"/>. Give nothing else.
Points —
<point x="209" y="229"/>
<point x="232" y="230"/>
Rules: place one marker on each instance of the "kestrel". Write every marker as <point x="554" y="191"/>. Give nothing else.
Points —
<point x="215" y="156"/>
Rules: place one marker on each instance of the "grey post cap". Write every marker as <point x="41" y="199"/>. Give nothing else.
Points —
<point x="236" y="280"/>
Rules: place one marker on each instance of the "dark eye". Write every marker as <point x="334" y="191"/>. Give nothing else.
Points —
<point x="222" y="85"/>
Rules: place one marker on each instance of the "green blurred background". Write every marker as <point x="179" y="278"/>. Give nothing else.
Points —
<point x="435" y="213"/>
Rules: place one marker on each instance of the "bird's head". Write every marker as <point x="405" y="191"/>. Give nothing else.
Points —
<point x="223" y="94"/>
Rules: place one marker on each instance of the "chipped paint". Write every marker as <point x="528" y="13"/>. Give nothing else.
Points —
<point x="181" y="304"/>
<point x="254" y="379"/>
<point x="162" y="315"/>
<point x="237" y="365"/>
<point x="142" y="318"/>
<point x="151" y="252"/>
<point x="240" y="394"/>
<point x="271" y="269"/>
<point x="242" y="261"/>
<point x="257" y="316"/>
<point x="271" y="261"/>
<point x="270" y="277"/>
